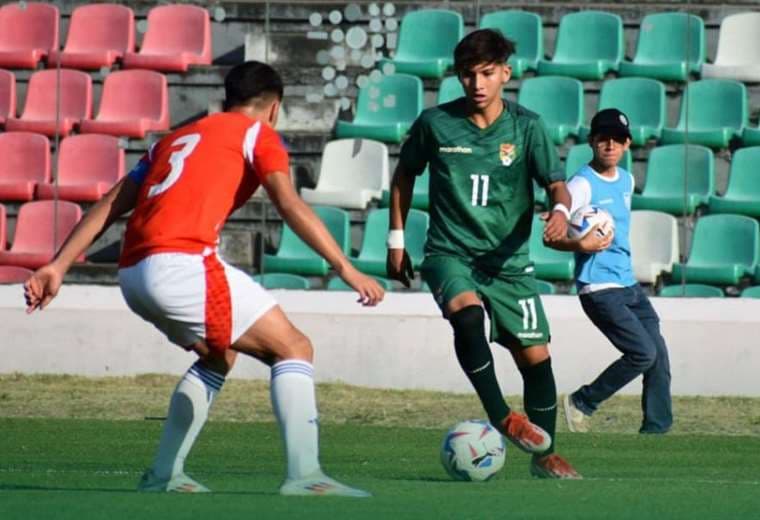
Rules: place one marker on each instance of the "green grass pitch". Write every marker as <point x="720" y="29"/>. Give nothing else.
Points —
<point x="88" y="469"/>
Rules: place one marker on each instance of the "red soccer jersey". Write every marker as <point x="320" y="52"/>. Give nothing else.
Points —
<point x="194" y="179"/>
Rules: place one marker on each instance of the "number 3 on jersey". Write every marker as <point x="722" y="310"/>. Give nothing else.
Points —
<point x="177" y="162"/>
<point x="479" y="195"/>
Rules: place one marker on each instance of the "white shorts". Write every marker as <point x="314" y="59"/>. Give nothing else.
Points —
<point x="192" y="297"/>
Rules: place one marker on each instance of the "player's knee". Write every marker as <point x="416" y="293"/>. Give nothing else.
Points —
<point x="299" y="347"/>
<point x="470" y="341"/>
<point x="468" y="322"/>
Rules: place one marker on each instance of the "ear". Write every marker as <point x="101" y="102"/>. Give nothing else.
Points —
<point x="274" y="112"/>
<point x="627" y="144"/>
<point x="507" y="73"/>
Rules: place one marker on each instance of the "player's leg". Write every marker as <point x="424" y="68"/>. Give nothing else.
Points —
<point x="656" y="400"/>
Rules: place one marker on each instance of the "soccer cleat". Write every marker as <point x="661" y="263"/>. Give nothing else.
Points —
<point x="178" y="484"/>
<point x="524" y="434"/>
<point x="553" y="466"/>
<point x="319" y="484"/>
<point x="577" y="421"/>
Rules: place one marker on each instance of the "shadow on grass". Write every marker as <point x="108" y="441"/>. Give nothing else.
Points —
<point x="27" y="487"/>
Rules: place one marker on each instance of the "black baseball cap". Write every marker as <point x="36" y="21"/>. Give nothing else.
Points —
<point x="610" y="121"/>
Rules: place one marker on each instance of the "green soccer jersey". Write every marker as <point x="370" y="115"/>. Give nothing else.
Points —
<point x="481" y="194"/>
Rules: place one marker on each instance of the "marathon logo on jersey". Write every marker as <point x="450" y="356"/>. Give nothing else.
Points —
<point x="507" y="153"/>
<point x="530" y="335"/>
<point x="454" y="149"/>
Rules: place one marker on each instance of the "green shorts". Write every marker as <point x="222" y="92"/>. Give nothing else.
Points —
<point x="512" y="302"/>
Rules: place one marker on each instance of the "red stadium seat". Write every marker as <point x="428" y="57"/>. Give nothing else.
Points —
<point x="12" y="274"/>
<point x="37" y="224"/>
<point x="3" y="224"/>
<point x="99" y="34"/>
<point x="133" y="102"/>
<point x="7" y="95"/>
<point x="177" y="36"/>
<point x="75" y="103"/>
<point x="88" y="165"/>
<point x="28" y="32"/>
<point x="25" y="162"/>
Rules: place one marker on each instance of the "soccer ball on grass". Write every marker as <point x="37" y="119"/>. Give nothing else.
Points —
<point x="473" y="451"/>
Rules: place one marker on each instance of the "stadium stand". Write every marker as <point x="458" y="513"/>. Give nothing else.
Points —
<point x="751" y="136"/>
<point x="671" y="46"/>
<point x="673" y="169"/>
<point x="133" y="103"/>
<point x="28" y="32"/>
<point x="98" y="35"/>
<point x="549" y="264"/>
<point x="25" y="163"/>
<point x="56" y="102"/>
<point x="426" y="42"/>
<point x="7" y="95"/>
<point x="525" y="30"/>
<point x="420" y="193"/>
<point x="691" y="290"/>
<point x="3" y="227"/>
<point x="559" y="100"/>
<point x="724" y="249"/>
<point x="389" y="115"/>
<point x="294" y="256"/>
<point x="41" y="228"/>
<point x="654" y="240"/>
<point x="751" y="292"/>
<point x="738" y="54"/>
<point x="10" y="274"/>
<point x="178" y="36"/>
<point x="449" y="90"/>
<point x="581" y="154"/>
<point x="589" y="45"/>
<point x="282" y="281"/>
<point x="742" y="195"/>
<point x="337" y="284"/>
<point x="545" y="287"/>
<point x="88" y="165"/>
<point x="373" y="252"/>
<point x="352" y="173"/>
<point x="716" y="113"/>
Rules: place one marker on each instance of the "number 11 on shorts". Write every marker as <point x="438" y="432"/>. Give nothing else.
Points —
<point x="530" y="320"/>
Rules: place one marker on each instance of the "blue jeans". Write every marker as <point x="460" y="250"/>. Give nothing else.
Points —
<point x="629" y="321"/>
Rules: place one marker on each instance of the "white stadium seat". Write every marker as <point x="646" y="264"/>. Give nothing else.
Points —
<point x="654" y="244"/>
<point x="353" y="172"/>
<point x="738" y="55"/>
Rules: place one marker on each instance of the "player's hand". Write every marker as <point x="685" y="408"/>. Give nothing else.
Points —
<point x="399" y="266"/>
<point x="42" y="287"/>
<point x="556" y="226"/>
<point x="594" y="242"/>
<point x="370" y="292"/>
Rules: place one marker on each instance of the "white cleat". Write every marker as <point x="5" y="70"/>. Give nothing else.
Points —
<point x="577" y="421"/>
<point x="178" y="484"/>
<point x="319" y="484"/>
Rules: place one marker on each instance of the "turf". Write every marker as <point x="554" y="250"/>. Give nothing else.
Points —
<point x="88" y="469"/>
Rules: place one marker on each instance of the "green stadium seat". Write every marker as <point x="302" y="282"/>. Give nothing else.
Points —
<point x="751" y="292"/>
<point x="549" y="264"/>
<point x="426" y="42"/>
<point x="282" y="281"/>
<point x="559" y="102"/>
<point x="724" y="249"/>
<point x="716" y="113"/>
<point x="296" y="257"/>
<point x="386" y="110"/>
<point x="337" y="284"/>
<point x="523" y="28"/>
<point x="581" y="154"/>
<point x="589" y="44"/>
<point x="670" y="47"/>
<point x="373" y="253"/>
<point x="642" y="100"/>
<point x="742" y="195"/>
<point x="691" y="290"/>
<point x="751" y="136"/>
<point x="545" y="287"/>
<point x="670" y="172"/>
<point x="420" y="193"/>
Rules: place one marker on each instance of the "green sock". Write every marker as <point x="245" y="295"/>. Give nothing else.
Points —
<point x="540" y="398"/>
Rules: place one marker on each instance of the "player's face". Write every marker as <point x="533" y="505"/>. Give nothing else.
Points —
<point x="483" y="83"/>
<point x="609" y="149"/>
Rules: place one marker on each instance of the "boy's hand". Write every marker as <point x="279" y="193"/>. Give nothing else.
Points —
<point x="42" y="287"/>
<point x="370" y="292"/>
<point x="593" y="242"/>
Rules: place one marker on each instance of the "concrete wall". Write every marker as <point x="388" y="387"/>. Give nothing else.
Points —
<point x="403" y="343"/>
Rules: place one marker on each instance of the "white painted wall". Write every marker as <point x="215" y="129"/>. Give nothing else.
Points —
<point x="403" y="343"/>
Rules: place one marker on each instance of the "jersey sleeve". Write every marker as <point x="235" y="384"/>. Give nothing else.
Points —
<point x="543" y="160"/>
<point x="265" y="151"/>
<point x="414" y="155"/>
<point x="580" y="192"/>
<point x="140" y="170"/>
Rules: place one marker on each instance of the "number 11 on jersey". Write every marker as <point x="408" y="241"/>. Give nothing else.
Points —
<point x="479" y="192"/>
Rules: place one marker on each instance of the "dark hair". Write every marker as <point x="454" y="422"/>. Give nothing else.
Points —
<point x="249" y="80"/>
<point x="482" y="46"/>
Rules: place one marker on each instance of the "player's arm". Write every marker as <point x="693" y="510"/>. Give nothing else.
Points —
<point x="305" y="223"/>
<point x="556" y="221"/>
<point x="44" y="284"/>
<point x="578" y="194"/>
<point x="398" y="264"/>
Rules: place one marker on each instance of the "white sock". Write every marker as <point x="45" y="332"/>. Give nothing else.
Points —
<point x="188" y="411"/>
<point x="295" y="407"/>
